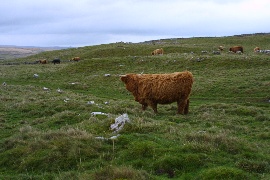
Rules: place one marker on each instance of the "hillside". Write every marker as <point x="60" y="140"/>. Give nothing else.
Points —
<point x="65" y="132"/>
<point x="12" y="52"/>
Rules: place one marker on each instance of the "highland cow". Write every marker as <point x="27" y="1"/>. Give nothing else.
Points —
<point x="153" y="89"/>
<point x="256" y="49"/>
<point x="158" y="51"/>
<point x="220" y="48"/>
<point x="43" y="61"/>
<point x="76" y="59"/>
<point x="236" y="48"/>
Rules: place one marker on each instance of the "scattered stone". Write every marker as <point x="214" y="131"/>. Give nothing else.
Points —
<point x="91" y="102"/>
<point x="98" y="113"/>
<point x="59" y="90"/>
<point x="120" y="122"/>
<point x="46" y="89"/>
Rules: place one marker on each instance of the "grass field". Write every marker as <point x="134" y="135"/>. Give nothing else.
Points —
<point x="45" y="134"/>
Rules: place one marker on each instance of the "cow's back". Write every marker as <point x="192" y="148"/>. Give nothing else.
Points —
<point x="165" y="88"/>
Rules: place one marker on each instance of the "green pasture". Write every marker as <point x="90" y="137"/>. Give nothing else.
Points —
<point x="45" y="134"/>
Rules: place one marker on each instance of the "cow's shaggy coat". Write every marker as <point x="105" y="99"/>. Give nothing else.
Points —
<point x="153" y="89"/>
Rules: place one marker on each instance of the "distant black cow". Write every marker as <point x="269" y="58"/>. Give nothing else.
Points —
<point x="56" y="61"/>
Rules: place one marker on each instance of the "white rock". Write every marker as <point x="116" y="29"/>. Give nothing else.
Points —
<point x="120" y="122"/>
<point x="59" y="90"/>
<point x="98" y="113"/>
<point x="91" y="102"/>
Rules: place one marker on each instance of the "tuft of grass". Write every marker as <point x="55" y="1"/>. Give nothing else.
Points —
<point x="223" y="172"/>
<point x="218" y="142"/>
<point x="253" y="166"/>
<point x="173" y="166"/>
<point x="111" y="172"/>
<point x="37" y="151"/>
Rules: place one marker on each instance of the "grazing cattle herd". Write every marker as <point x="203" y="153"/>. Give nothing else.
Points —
<point x="160" y="51"/>
<point x="233" y="49"/>
<point x="54" y="61"/>
<point x="153" y="89"/>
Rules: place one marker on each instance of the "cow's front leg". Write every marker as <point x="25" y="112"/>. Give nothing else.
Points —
<point x="181" y="106"/>
<point x="144" y="106"/>
<point x="154" y="106"/>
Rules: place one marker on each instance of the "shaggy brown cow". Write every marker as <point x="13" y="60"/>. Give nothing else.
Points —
<point x="43" y="61"/>
<point x="153" y="89"/>
<point x="76" y="59"/>
<point x="256" y="49"/>
<point x="236" y="48"/>
<point x="158" y="51"/>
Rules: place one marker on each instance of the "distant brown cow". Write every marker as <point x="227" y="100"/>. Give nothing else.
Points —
<point x="236" y="48"/>
<point x="256" y="49"/>
<point x="153" y="89"/>
<point x="158" y="51"/>
<point x="221" y="48"/>
<point x="43" y="61"/>
<point x="76" y="59"/>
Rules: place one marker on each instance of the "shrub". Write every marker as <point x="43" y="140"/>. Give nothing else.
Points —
<point x="222" y="172"/>
<point x="111" y="172"/>
<point x="253" y="166"/>
<point x="178" y="164"/>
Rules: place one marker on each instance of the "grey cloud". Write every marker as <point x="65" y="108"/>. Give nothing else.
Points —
<point x="87" y="22"/>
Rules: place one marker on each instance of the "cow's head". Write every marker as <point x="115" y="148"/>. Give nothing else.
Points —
<point x="131" y="82"/>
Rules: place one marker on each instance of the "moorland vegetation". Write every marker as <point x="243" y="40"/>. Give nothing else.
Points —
<point x="53" y="134"/>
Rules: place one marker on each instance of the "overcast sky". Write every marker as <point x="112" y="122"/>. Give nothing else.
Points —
<point x="91" y="22"/>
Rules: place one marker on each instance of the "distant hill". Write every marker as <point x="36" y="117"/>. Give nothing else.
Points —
<point x="8" y="52"/>
<point x="11" y="52"/>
